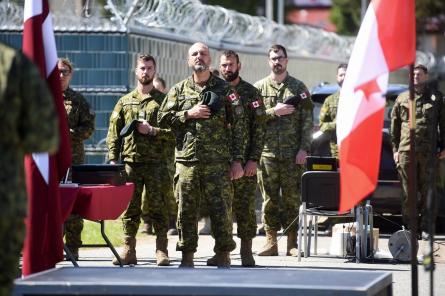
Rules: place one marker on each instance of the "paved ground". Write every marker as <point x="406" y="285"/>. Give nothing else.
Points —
<point x="401" y="272"/>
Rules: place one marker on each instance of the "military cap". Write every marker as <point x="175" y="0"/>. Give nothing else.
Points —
<point x="298" y="99"/>
<point x="211" y="99"/>
<point x="129" y="128"/>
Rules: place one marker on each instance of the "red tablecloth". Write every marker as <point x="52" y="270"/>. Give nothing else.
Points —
<point x="98" y="202"/>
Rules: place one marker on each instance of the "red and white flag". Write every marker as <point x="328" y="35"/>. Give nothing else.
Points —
<point x="385" y="42"/>
<point x="43" y="246"/>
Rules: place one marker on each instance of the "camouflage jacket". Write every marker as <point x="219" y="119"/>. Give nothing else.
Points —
<point x="168" y="142"/>
<point x="248" y="102"/>
<point x="328" y="120"/>
<point x="80" y="122"/>
<point x="28" y="124"/>
<point x="136" y="148"/>
<point x="430" y="122"/>
<point x="286" y="135"/>
<point x="220" y="138"/>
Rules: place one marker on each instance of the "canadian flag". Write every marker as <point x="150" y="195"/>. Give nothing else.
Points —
<point x="43" y="246"/>
<point x="385" y="42"/>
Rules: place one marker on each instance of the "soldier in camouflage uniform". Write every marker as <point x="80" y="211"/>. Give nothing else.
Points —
<point x="167" y="170"/>
<point x="328" y="112"/>
<point x="287" y="141"/>
<point x="81" y="124"/>
<point x="209" y="143"/>
<point x="28" y="124"/>
<point x="429" y="131"/>
<point x="247" y="101"/>
<point x="142" y="153"/>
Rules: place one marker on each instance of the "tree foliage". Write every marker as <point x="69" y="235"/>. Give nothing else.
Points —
<point x="345" y="14"/>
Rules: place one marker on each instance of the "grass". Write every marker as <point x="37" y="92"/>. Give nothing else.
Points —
<point x="113" y="229"/>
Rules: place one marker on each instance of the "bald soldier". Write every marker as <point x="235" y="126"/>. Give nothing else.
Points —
<point x="209" y="153"/>
<point x="28" y="123"/>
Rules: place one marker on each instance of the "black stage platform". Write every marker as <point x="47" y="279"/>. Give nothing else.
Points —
<point x="204" y="281"/>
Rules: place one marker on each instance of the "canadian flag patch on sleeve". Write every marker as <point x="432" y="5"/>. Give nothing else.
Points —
<point x="255" y="104"/>
<point x="304" y="95"/>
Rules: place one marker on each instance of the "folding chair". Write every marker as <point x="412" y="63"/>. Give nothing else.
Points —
<point x="320" y="195"/>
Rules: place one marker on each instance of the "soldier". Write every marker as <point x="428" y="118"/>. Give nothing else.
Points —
<point x="429" y="131"/>
<point x="328" y="112"/>
<point x="167" y="170"/>
<point x="81" y="124"/>
<point x="209" y="142"/>
<point x="28" y="124"/>
<point x="287" y="142"/>
<point x="249" y="102"/>
<point x="142" y="155"/>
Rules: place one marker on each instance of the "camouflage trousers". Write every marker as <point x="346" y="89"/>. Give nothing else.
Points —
<point x="426" y="171"/>
<point x="145" y="175"/>
<point x="73" y="228"/>
<point x="210" y="183"/>
<point x="167" y="171"/>
<point x="244" y="206"/>
<point x="280" y="181"/>
<point x="12" y="234"/>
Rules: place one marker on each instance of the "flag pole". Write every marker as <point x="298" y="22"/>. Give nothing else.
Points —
<point x="412" y="186"/>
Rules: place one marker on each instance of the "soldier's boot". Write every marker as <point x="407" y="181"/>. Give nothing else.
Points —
<point x="187" y="260"/>
<point x="292" y="249"/>
<point x="271" y="246"/>
<point x="206" y="228"/>
<point x="128" y="255"/>
<point x="172" y="230"/>
<point x="212" y="261"/>
<point x="246" y="253"/>
<point x="162" y="252"/>
<point x="223" y="259"/>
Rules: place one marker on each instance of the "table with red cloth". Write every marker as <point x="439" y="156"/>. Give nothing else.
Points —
<point x="96" y="203"/>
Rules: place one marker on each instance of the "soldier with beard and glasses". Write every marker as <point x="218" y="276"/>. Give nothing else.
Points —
<point x="248" y="104"/>
<point x="287" y="142"/>
<point x="142" y="154"/>
<point x="209" y="153"/>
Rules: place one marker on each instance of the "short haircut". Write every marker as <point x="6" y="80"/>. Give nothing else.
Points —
<point x="67" y="63"/>
<point x="230" y="53"/>
<point x="276" y="48"/>
<point x="146" y="58"/>
<point x="421" y="67"/>
<point x="161" y="81"/>
<point x="342" y="66"/>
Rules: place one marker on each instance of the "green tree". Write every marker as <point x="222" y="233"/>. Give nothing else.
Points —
<point x="345" y="14"/>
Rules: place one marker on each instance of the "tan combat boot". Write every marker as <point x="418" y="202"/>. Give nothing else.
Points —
<point x="271" y="246"/>
<point x="162" y="252"/>
<point x="212" y="261"/>
<point x="292" y="249"/>
<point x="128" y="255"/>
<point x="223" y="259"/>
<point x="187" y="260"/>
<point x="246" y="253"/>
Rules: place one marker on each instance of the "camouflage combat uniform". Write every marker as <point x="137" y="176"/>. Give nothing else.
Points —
<point x="244" y="188"/>
<point x="81" y="124"/>
<point x="167" y="171"/>
<point x="285" y="136"/>
<point x="430" y="130"/>
<point x="28" y="124"/>
<point x="204" y="150"/>
<point x="142" y="155"/>
<point x="328" y="120"/>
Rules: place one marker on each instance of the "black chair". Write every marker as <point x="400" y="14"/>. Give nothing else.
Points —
<point x="320" y="195"/>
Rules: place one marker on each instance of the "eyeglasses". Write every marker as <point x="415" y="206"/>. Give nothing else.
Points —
<point x="277" y="59"/>
<point x="65" y="72"/>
